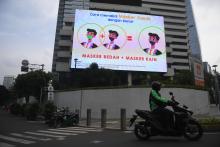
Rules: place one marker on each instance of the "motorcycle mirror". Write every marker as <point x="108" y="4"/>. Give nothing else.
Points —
<point x="171" y="93"/>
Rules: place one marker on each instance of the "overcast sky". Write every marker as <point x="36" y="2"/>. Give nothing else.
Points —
<point x="27" y="31"/>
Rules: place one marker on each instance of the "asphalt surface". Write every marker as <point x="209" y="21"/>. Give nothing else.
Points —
<point x="17" y="132"/>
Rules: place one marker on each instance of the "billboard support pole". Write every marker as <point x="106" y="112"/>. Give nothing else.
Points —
<point x="129" y="79"/>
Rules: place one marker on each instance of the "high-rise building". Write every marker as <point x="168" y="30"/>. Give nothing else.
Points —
<point x="8" y="81"/>
<point x="207" y="68"/>
<point x="192" y="30"/>
<point x="178" y="22"/>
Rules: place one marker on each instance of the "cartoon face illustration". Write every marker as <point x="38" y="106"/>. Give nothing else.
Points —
<point x="113" y="35"/>
<point x="153" y="38"/>
<point x="91" y="33"/>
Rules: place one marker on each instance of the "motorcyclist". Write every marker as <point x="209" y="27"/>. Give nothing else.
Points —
<point x="158" y="104"/>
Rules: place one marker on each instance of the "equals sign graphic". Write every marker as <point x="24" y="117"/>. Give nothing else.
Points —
<point x="129" y="38"/>
<point x="102" y="35"/>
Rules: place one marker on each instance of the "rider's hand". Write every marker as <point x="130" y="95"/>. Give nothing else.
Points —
<point x="171" y="103"/>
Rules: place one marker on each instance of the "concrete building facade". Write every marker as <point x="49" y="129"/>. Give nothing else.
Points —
<point x="8" y="81"/>
<point x="175" y="13"/>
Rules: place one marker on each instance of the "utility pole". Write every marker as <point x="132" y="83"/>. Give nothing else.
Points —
<point x="216" y="86"/>
<point x="75" y="60"/>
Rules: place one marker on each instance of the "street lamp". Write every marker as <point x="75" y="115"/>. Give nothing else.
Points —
<point x="26" y="66"/>
<point x="75" y="60"/>
<point x="215" y="68"/>
<point x="216" y="86"/>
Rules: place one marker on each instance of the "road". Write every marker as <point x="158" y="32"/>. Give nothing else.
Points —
<point x="17" y="132"/>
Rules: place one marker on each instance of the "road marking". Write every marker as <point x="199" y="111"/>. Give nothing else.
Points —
<point x="83" y="129"/>
<point x="58" y="133"/>
<point x="16" y="139"/>
<point x="30" y="137"/>
<point x="212" y="133"/>
<point x="96" y="141"/>
<point x="128" y="132"/>
<point x="47" y="135"/>
<point x="112" y="122"/>
<point x="2" y="144"/>
<point x="68" y="131"/>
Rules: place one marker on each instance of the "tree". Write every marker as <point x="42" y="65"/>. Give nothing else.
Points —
<point x="4" y="95"/>
<point x="31" y="84"/>
<point x="184" y="77"/>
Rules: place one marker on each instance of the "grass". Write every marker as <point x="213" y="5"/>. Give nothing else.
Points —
<point x="210" y="121"/>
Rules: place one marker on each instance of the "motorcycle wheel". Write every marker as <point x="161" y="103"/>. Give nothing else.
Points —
<point x="141" y="132"/>
<point x="193" y="131"/>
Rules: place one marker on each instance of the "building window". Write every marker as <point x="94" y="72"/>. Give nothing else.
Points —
<point x="127" y="2"/>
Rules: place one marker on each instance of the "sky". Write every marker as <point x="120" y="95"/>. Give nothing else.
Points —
<point x="27" y="31"/>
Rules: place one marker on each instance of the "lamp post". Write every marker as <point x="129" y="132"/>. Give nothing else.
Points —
<point x="216" y="85"/>
<point x="75" y="60"/>
<point x="215" y="68"/>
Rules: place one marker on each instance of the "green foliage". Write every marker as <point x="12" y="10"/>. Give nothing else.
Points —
<point x="23" y="109"/>
<point x="94" y="66"/>
<point x="49" y="109"/>
<point x="15" y="109"/>
<point x="184" y="77"/>
<point x="4" y="95"/>
<point x="30" y="84"/>
<point x="93" y="77"/>
<point x="209" y="121"/>
<point x="32" y="110"/>
<point x="99" y="77"/>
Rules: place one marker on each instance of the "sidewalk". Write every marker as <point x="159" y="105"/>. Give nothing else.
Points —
<point x="115" y="124"/>
<point x="110" y="124"/>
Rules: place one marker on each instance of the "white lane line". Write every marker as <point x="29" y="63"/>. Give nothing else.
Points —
<point x="68" y="131"/>
<point x="82" y="129"/>
<point x="58" y="133"/>
<point x="43" y="134"/>
<point x="128" y="132"/>
<point x="96" y="141"/>
<point x="2" y="144"/>
<point x="16" y="139"/>
<point x="30" y="137"/>
<point x="212" y="133"/>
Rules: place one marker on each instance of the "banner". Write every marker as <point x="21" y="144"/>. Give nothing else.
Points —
<point x="119" y="41"/>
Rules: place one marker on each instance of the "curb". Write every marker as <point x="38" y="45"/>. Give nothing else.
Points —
<point x="206" y="128"/>
<point x="211" y="128"/>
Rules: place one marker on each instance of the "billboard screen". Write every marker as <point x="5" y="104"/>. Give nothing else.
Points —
<point x="119" y="41"/>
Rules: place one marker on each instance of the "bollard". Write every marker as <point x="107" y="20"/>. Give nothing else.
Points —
<point x="88" y="121"/>
<point x="103" y="118"/>
<point x="123" y="119"/>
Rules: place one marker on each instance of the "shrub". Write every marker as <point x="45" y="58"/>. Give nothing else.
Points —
<point x="23" y="109"/>
<point x="15" y="109"/>
<point x="32" y="110"/>
<point x="49" y="109"/>
<point x="209" y="121"/>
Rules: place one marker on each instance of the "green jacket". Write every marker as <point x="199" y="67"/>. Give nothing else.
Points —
<point x="156" y="100"/>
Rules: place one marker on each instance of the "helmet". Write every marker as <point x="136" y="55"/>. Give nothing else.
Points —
<point x="156" y="85"/>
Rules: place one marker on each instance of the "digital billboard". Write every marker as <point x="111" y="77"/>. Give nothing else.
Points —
<point x="119" y="41"/>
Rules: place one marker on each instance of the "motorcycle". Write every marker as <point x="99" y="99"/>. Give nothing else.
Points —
<point x="63" y="118"/>
<point x="184" y="124"/>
